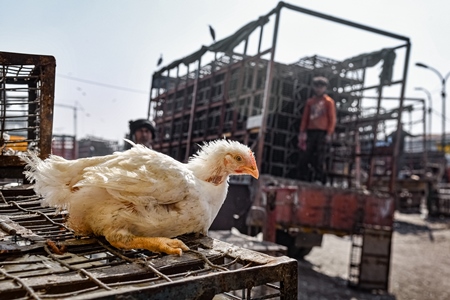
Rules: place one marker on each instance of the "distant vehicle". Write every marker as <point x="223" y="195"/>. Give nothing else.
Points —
<point x="16" y="143"/>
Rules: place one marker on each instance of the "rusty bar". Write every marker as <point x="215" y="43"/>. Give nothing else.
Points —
<point x="399" y="119"/>
<point x="267" y="91"/>
<point x="345" y="22"/>
<point x="47" y="103"/>
<point x="191" y="117"/>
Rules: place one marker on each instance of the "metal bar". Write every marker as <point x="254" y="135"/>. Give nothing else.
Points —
<point x="177" y="83"/>
<point x="424" y="136"/>
<point x="345" y="22"/>
<point x="260" y="38"/>
<point x="399" y="119"/>
<point x="143" y="263"/>
<point x="42" y="214"/>
<point x="373" y="87"/>
<point x="81" y="270"/>
<point x="208" y="285"/>
<point x="267" y="91"/>
<point x="29" y="290"/>
<point x="191" y="117"/>
<point x="46" y="109"/>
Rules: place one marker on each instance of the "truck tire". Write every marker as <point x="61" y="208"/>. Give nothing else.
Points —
<point x="285" y="239"/>
<point x="299" y="252"/>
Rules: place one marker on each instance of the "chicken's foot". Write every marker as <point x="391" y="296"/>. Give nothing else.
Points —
<point x="153" y="244"/>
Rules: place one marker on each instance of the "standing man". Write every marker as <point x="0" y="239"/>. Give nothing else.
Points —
<point x="142" y="132"/>
<point x="316" y="129"/>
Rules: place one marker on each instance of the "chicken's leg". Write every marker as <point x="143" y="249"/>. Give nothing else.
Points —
<point x="154" y="244"/>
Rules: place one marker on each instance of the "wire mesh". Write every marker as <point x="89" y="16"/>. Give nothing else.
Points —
<point x="43" y="259"/>
<point x="26" y="108"/>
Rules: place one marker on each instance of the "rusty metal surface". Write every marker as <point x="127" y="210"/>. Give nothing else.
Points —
<point x="366" y="217"/>
<point x="375" y="259"/>
<point x="31" y="237"/>
<point x="27" y="84"/>
<point x="292" y="203"/>
<point x="248" y="242"/>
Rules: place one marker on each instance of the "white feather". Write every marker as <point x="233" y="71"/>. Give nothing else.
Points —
<point x="140" y="192"/>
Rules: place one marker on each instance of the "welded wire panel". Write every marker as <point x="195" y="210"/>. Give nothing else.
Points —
<point x="41" y="258"/>
<point x="26" y="106"/>
<point x="17" y="109"/>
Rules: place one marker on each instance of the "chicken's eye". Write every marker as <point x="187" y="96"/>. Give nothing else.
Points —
<point x="238" y="158"/>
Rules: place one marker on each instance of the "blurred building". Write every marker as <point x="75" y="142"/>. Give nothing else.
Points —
<point x="65" y="146"/>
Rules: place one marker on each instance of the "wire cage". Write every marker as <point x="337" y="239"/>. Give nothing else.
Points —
<point x="27" y="84"/>
<point x="41" y="258"/>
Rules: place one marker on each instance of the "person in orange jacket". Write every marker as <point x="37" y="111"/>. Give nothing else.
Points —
<point x="316" y="130"/>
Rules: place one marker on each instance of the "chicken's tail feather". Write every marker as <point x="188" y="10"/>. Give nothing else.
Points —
<point x="48" y="179"/>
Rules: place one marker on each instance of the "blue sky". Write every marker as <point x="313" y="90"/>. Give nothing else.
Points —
<point x="117" y="43"/>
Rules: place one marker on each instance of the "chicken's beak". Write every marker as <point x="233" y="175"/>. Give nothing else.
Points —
<point x="250" y="166"/>
<point x="252" y="170"/>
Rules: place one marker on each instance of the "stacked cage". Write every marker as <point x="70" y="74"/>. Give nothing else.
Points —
<point x="26" y="108"/>
<point x="229" y="96"/>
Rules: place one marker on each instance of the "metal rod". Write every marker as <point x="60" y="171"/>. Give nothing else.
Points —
<point x="430" y="109"/>
<point x="345" y="22"/>
<point x="399" y="119"/>
<point x="191" y="117"/>
<point x="267" y="91"/>
<point x="27" y="288"/>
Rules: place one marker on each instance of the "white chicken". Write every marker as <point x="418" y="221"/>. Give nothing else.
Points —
<point x="141" y="198"/>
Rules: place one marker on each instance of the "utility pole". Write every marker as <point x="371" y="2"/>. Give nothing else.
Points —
<point x="443" y="95"/>
<point x="75" y="109"/>
<point x="430" y="109"/>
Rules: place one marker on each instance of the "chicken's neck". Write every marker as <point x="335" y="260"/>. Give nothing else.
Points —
<point x="216" y="176"/>
<point x="212" y="174"/>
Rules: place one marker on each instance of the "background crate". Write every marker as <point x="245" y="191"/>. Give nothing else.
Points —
<point x="27" y="84"/>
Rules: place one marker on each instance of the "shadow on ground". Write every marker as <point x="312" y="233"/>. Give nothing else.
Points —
<point x="408" y="224"/>
<point x="313" y="285"/>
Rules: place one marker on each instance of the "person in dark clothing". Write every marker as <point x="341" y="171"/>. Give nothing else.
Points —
<point x="316" y="129"/>
<point x="142" y="131"/>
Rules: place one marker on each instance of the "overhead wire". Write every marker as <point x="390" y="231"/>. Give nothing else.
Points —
<point x="103" y="84"/>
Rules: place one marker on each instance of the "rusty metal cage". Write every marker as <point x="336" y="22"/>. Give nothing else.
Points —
<point x="41" y="258"/>
<point x="27" y="84"/>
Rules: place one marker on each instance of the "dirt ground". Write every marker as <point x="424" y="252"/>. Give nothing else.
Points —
<point x="420" y="264"/>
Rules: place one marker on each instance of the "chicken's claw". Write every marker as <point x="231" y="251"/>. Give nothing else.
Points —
<point x="154" y="244"/>
<point x="173" y="246"/>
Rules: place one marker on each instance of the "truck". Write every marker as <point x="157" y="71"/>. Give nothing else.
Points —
<point x="248" y="96"/>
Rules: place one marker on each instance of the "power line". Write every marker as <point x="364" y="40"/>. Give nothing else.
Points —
<point x="102" y="84"/>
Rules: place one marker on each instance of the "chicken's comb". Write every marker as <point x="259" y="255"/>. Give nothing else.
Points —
<point x="252" y="156"/>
